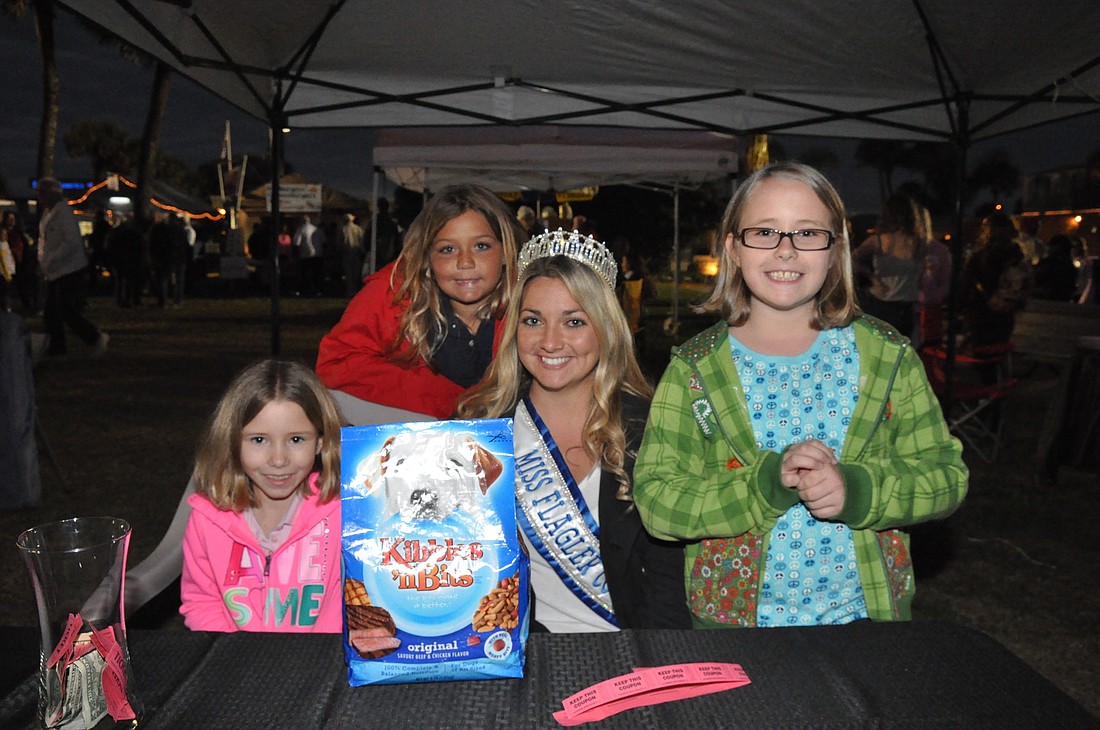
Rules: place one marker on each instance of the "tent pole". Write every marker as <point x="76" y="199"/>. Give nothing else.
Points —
<point x="374" y="223"/>
<point x="961" y="139"/>
<point x="278" y="123"/>
<point x="675" y="328"/>
<point x="962" y="145"/>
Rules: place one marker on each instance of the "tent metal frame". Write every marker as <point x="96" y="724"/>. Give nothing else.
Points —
<point x="294" y="73"/>
<point x="956" y="101"/>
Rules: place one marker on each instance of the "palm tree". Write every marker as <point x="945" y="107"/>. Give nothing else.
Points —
<point x="147" y="167"/>
<point x="885" y="155"/>
<point x="1088" y="194"/>
<point x="150" y="137"/>
<point x="110" y="149"/>
<point x="44" y="12"/>
<point x="1093" y="161"/>
<point x="995" y="171"/>
<point x="43" y="21"/>
<point x="937" y="163"/>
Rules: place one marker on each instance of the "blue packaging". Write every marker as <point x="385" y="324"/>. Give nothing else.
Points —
<point x="435" y="578"/>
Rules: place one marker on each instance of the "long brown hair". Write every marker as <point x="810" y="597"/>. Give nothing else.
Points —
<point x="422" y="322"/>
<point x="219" y="474"/>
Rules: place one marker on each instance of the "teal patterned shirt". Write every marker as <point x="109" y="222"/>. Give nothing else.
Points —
<point x="701" y="477"/>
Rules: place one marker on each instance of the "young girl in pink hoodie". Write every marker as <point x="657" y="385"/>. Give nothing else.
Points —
<point x="261" y="551"/>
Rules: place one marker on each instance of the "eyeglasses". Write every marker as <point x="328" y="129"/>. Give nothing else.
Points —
<point x="808" y="239"/>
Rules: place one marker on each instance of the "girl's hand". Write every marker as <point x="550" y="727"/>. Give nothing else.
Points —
<point x="822" y="491"/>
<point x="806" y="456"/>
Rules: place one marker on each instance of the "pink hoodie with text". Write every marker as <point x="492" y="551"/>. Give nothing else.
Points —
<point x="229" y="584"/>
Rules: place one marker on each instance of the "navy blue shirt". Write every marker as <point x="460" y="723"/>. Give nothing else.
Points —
<point x="463" y="357"/>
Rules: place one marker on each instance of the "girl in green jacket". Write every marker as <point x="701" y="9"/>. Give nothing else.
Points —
<point x="793" y="440"/>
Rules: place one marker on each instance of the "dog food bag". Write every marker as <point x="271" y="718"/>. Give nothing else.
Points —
<point x="435" y="577"/>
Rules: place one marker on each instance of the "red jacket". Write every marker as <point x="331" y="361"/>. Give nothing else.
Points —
<point x="352" y="356"/>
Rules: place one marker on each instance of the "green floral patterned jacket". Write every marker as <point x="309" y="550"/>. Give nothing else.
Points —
<point x="700" y="477"/>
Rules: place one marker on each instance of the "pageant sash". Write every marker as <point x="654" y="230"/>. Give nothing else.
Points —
<point x="554" y="515"/>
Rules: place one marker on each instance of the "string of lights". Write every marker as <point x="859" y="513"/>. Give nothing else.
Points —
<point x="163" y="206"/>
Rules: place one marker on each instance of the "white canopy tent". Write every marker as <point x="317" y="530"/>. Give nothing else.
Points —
<point x="905" y="69"/>
<point x="508" y="159"/>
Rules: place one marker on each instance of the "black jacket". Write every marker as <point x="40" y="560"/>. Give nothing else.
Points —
<point x="645" y="576"/>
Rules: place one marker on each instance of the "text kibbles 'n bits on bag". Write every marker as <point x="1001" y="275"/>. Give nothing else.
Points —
<point x="436" y="581"/>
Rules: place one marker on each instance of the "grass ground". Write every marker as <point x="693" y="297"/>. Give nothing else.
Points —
<point x="1017" y="561"/>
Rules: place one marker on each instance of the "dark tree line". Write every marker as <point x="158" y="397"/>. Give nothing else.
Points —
<point x="44" y="12"/>
<point x="932" y="169"/>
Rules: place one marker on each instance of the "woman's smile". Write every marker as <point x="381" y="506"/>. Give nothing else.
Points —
<point x="558" y="345"/>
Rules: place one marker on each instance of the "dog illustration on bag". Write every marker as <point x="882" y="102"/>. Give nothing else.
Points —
<point x="429" y="475"/>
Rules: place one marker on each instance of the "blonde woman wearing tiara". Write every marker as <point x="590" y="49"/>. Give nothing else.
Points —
<point x="566" y="370"/>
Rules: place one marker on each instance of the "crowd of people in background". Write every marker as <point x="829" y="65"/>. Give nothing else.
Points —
<point x="903" y="269"/>
<point x="157" y="260"/>
<point x="904" y="273"/>
<point x="326" y="254"/>
<point x="20" y="276"/>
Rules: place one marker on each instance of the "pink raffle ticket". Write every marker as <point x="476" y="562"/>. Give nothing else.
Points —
<point x="649" y="686"/>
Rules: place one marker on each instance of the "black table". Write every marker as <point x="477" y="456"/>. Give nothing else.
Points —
<point x="917" y="674"/>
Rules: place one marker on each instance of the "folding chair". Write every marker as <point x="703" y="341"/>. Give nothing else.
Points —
<point x="158" y="571"/>
<point x="982" y="380"/>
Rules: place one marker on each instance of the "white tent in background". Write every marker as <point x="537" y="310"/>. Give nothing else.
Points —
<point x="509" y="159"/>
<point x="556" y="158"/>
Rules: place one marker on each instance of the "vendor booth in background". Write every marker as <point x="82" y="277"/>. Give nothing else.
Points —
<point x="298" y="196"/>
<point x="102" y="206"/>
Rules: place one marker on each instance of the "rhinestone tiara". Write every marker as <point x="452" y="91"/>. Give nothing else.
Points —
<point x="574" y="245"/>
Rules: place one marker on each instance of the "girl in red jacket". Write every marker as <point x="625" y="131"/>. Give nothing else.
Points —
<point x="424" y="329"/>
<point x="261" y="551"/>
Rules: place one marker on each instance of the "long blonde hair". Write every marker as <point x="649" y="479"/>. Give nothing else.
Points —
<point x="219" y="474"/>
<point x="422" y="322"/>
<point x="835" y="304"/>
<point x="507" y="380"/>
